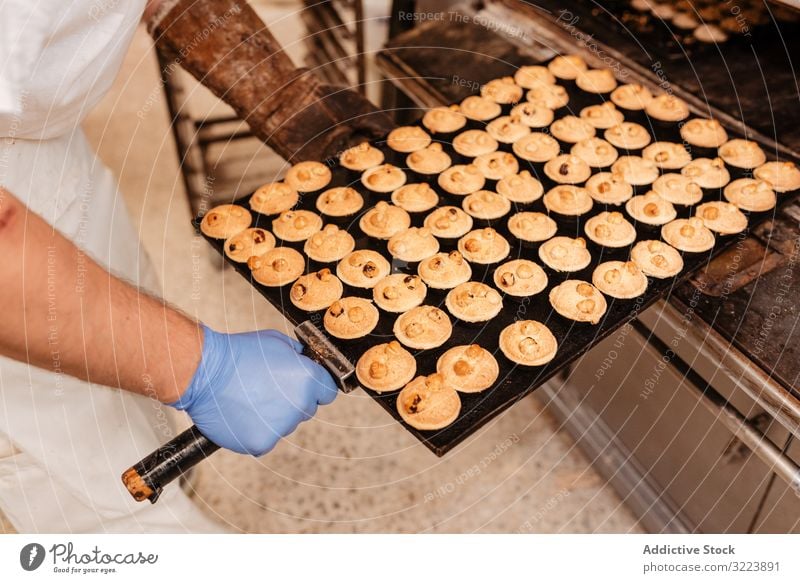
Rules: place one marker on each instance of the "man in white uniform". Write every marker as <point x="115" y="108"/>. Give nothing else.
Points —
<point x="71" y="330"/>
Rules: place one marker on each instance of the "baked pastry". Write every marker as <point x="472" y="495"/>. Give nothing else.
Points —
<point x="610" y="229"/>
<point x="294" y="226"/>
<point x="497" y="165"/>
<point x="567" y="67"/>
<point x="521" y="188"/>
<point x="568" y="200"/>
<point x="408" y="139"/>
<point x="742" y="154"/>
<point x="248" y="243"/>
<point x="427" y="403"/>
<point x="635" y="170"/>
<point x="782" y="176"/>
<point x="578" y="300"/>
<point x="423" y="327"/>
<point x="571" y="129"/>
<point x="533" y="115"/>
<point x="596" y="152"/>
<point x="277" y="267"/>
<point x="631" y="96"/>
<point x="678" y="189"/>
<point x="710" y="33"/>
<point x="667" y="155"/>
<point x="620" y="279"/>
<point x="474" y="301"/>
<point x="362" y="268"/>
<point x="384" y="221"/>
<point x="484" y="246"/>
<point x="462" y="179"/>
<point x="608" y="188"/>
<point x="520" y="278"/>
<point x="340" y="201"/>
<point x="383" y="178"/>
<point x="486" y="205"/>
<point x="413" y="244"/>
<point x="415" y="198"/>
<point x="468" y="369"/>
<point x="361" y="157"/>
<point x="722" y="217"/>
<point x="502" y="90"/>
<point x="537" y="147"/>
<point x="274" y="198"/>
<point x="444" y="120"/>
<point x="532" y="227"/>
<point x="651" y="209"/>
<point x="507" y="129"/>
<point x="531" y="76"/>
<point x="550" y="96"/>
<point x="308" y="176"/>
<point x="704" y="133"/>
<point x="399" y="292"/>
<point x="528" y="342"/>
<point x="316" y="291"/>
<point x="386" y="367"/>
<point x="430" y="160"/>
<point x="328" y="245"/>
<point x="596" y="81"/>
<point x="627" y="136"/>
<point x="350" y="318"/>
<point x="565" y="254"/>
<point x="657" y="259"/>
<point x="445" y="270"/>
<point x="707" y="172"/>
<point x="567" y="169"/>
<point x="225" y="221"/>
<point x="473" y="143"/>
<point x="667" y="108"/>
<point x="602" y="116"/>
<point x="688" y="235"/>
<point x="685" y="21"/>
<point x="479" y="108"/>
<point x="448" y="222"/>
<point x="751" y="194"/>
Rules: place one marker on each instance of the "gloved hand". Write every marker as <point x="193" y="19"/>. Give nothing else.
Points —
<point x="252" y="389"/>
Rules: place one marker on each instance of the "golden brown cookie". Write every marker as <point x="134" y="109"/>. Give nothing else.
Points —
<point x="667" y="155"/>
<point x="484" y="246"/>
<point x="415" y="198"/>
<point x="520" y="278"/>
<point x="423" y="327"/>
<point x="445" y="270"/>
<point x="533" y="115"/>
<point x="707" y="172"/>
<point x="225" y="221"/>
<point x="704" y="133"/>
<point x="636" y="170"/>
<point x="384" y="220"/>
<point x="277" y="267"/>
<point x="579" y="301"/>
<point x="474" y="301"/>
<point x="448" y="222"/>
<point x="383" y="178"/>
<point x="596" y="152"/>
<point x="473" y="143"/>
<point x="361" y="157"/>
<point x="502" y="90"/>
<point x="350" y="318"/>
<point x="569" y="200"/>
<point x="550" y="96"/>
<point x="678" y="189"/>
<point x="399" y="292"/>
<point x="427" y="403"/>
<point x="610" y="229"/>
<point x="620" y="279"/>
<point x="609" y="188"/>
<point x="308" y="176"/>
<point x="722" y="217"/>
<point x="386" y="367"/>
<point x="329" y="244"/>
<point x="657" y="259"/>
<point x="507" y="129"/>
<point x="532" y="226"/>
<point x="497" y="165"/>
<point x="782" y="176"/>
<point x="479" y="108"/>
<point x="408" y="139"/>
<point x="596" y="81"/>
<point x="316" y="291"/>
<point x="751" y="194"/>
<point x="567" y="67"/>
<point x="297" y="225"/>
<point x="362" y="268"/>
<point x="571" y="129"/>
<point x="627" y="136"/>
<point x="688" y="235"/>
<point x="486" y="205"/>
<point x="537" y="147"/>
<point x="468" y="369"/>
<point x="651" y="209"/>
<point x="668" y="108"/>
<point x="530" y="76"/>
<point x="274" y="198"/>
<point x="742" y="154"/>
<point x="414" y="244"/>
<point x="431" y="160"/>
<point x="248" y="243"/>
<point x="602" y="116"/>
<point x="340" y="201"/>
<point x="462" y="179"/>
<point x="565" y="254"/>
<point x="522" y="188"/>
<point x="632" y="96"/>
<point x="444" y="120"/>
<point x="567" y="169"/>
<point x="529" y="343"/>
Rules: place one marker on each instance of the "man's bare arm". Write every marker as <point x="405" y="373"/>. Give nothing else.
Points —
<point x="63" y="312"/>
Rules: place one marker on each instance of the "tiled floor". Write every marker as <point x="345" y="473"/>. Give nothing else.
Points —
<point x="351" y="469"/>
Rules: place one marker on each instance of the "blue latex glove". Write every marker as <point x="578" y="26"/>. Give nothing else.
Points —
<point x="252" y="389"/>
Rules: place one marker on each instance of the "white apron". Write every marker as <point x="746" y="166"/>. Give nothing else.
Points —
<point x="64" y="442"/>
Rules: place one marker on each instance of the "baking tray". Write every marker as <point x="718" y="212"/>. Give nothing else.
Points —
<point x="514" y="381"/>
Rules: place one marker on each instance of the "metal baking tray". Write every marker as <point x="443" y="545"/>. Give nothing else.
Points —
<point x="514" y="382"/>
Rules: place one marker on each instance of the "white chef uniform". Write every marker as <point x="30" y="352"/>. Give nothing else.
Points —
<point x="63" y="442"/>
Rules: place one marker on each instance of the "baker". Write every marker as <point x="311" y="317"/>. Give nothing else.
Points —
<point x="77" y="317"/>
